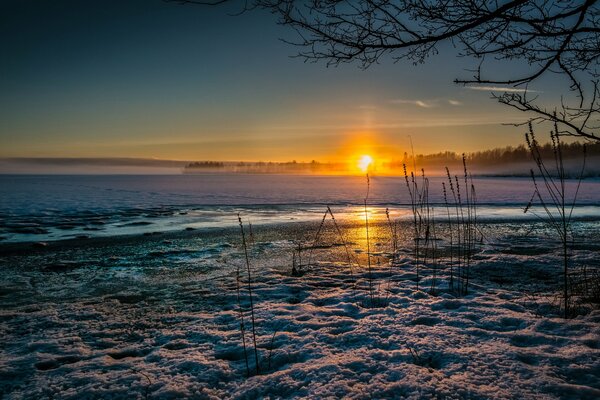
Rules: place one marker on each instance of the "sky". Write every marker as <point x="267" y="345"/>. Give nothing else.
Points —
<point x="149" y="79"/>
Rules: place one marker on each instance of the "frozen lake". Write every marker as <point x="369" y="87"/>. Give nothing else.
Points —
<point x="34" y="208"/>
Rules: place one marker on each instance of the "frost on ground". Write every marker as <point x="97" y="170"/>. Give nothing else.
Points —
<point x="159" y="319"/>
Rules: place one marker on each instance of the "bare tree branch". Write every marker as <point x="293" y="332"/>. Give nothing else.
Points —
<point x="573" y="121"/>
<point x="549" y="36"/>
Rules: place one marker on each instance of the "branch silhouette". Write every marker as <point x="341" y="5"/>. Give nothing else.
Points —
<point x="549" y="37"/>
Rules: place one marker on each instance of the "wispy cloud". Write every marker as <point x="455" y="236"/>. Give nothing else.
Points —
<point x="481" y="120"/>
<point x="501" y="89"/>
<point x="418" y="103"/>
<point x="430" y="103"/>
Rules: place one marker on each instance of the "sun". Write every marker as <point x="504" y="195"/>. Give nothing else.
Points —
<point x="365" y="162"/>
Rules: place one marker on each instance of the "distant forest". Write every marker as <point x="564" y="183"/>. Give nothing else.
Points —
<point x="269" y="167"/>
<point x="206" y="164"/>
<point x="509" y="160"/>
<point x="499" y="156"/>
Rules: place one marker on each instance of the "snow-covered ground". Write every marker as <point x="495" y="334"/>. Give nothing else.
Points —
<point x="158" y="318"/>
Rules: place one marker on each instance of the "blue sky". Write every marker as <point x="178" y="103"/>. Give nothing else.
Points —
<point x="136" y="78"/>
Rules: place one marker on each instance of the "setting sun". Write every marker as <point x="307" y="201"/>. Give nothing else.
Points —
<point x="365" y="162"/>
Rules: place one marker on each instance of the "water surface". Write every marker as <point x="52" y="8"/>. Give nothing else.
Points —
<point x="51" y="207"/>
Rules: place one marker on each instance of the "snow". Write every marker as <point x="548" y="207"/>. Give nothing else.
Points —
<point x="159" y="318"/>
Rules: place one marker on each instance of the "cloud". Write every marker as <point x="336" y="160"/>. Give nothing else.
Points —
<point x="418" y="103"/>
<point x="431" y="103"/>
<point x="501" y="89"/>
<point x="423" y="104"/>
<point x="481" y="120"/>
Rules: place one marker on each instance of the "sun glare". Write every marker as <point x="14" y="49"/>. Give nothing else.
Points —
<point x="365" y="162"/>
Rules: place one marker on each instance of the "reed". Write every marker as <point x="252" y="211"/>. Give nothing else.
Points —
<point x="393" y="227"/>
<point x="433" y="255"/>
<point x="251" y="233"/>
<point x="457" y="210"/>
<point x="271" y="347"/>
<point x="297" y="266"/>
<point x="299" y="250"/>
<point x="423" y="223"/>
<point x="465" y="228"/>
<point x="295" y="271"/>
<point x="450" y="229"/>
<point x="316" y="238"/>
<point x="370" y="272"/>
<point x="550" y="189"/>
<point x="242" y="319"/>
<point x="350" y="259"/>
<point x="250" y="297"/>
<point x="393" y="233"/>
<point x="471" y="223"/>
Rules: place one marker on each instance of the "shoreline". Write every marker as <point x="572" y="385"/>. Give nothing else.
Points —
<point x="41" y="246"/>
<point x="29" y="247"/>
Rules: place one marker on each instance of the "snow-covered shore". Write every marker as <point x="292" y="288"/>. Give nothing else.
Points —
<point x="158" y="318"/>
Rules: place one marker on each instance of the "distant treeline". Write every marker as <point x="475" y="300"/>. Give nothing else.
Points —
<point x="505" y="161"/>
<point x="259" y="167"/>
<point x="206" y="164"/>
<point x="494" y="157"/>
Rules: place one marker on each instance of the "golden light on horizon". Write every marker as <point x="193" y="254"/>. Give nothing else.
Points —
<point x="365" y="162"/>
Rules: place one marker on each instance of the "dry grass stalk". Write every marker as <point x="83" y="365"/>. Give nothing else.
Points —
<point x="250" y="297"/>
<point x="550" y="188"/>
